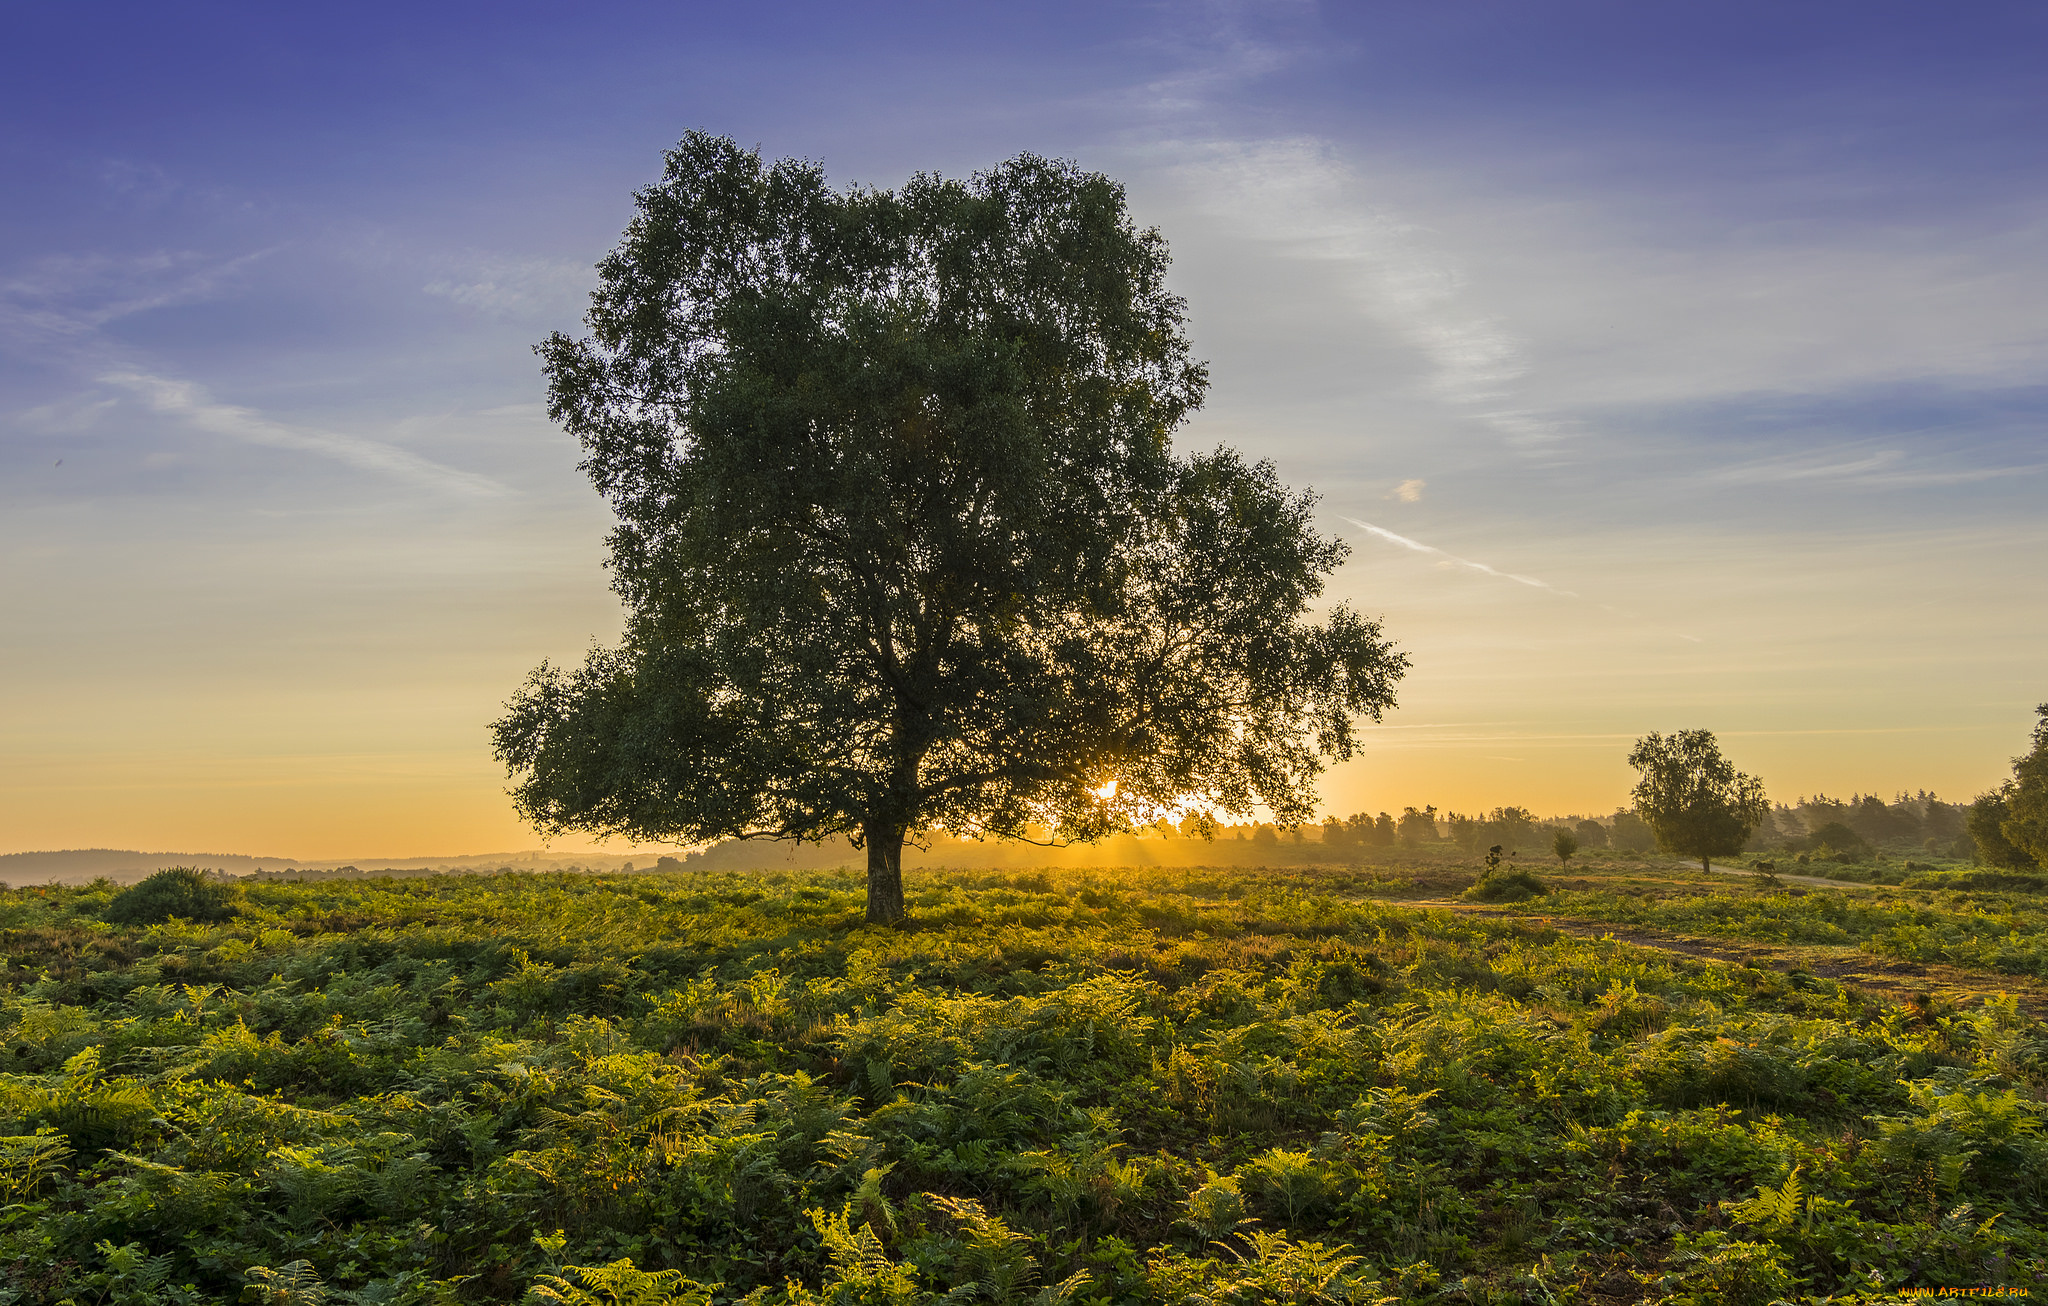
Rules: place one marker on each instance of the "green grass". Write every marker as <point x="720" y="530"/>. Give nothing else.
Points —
<point x="1234" y="1085"/>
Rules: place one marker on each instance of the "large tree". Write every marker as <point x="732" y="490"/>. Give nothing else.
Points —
<point x="2009" y="825"/>
<point x="1694" y="801"/>
<point x="903" y="539"/>
<point x="2025" y="822"/>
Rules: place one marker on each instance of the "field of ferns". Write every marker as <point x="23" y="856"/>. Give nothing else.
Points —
<point x="1069" y="1086"/>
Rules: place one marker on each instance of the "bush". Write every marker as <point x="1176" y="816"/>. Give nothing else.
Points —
<point x="179" y="891"/>
<point x="1713" y="1268"/>
<point x="1507" y="886"/>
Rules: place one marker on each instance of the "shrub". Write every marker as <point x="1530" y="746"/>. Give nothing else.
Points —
<point x="179" y="891"/>
<point x="1713" y="1269"/>
<point x="1290" y="1184"/>
<point x="1507" y="886"/>
<point x="1216" y="1208"/>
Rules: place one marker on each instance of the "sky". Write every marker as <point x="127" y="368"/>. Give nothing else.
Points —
<point x="1667" y="367"/>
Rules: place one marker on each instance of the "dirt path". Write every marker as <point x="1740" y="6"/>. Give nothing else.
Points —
<point x="1783" y="875"/>
<point x="1882" y="977"/>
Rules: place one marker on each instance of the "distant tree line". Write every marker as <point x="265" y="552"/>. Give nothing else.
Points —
<point x="1865" y="824"/>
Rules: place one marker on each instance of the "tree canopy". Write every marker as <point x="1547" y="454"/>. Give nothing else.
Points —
<point x="903" y="538"/>
<point x="2026" y="823"/>
<point x="2009" y="825"/>
<point x="1693" y="800"/>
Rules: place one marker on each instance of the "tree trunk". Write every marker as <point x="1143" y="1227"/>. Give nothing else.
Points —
<point x="1706" y="862"/>
<point x="885" y="874"/>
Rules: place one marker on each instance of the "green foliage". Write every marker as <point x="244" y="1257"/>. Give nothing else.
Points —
<point x="1997" y="880"/>
<point x="293" y="1284"/>
<point x="180" y="891"/>
<point x="1989" y="816"/>
<point x="1289" y="1184"/>
<point x="1999" y="931"/>
<point x="1565" y="845"/>
<point x="1712" y="1269"/>
<point x="1149" y="1088"/>
<point x="1696" y="803"/>
<point x="1216" y="1208"/>
<point x="27" y="1162"/>
<point x="619" y="1284"/>
<point x="1269" y="1270"/>
<point x="903" y="537"/>
<point x="861" y="1270"/>
<point x="2009" y="825"/>
<point x="1497" y="885"/>
<point x="1774" y="1208"/>
<point x="132" y="1277"/>
<point x="1507" y="886"/>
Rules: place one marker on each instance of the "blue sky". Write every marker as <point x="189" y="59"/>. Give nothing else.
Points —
<point x="1719" y="323"/>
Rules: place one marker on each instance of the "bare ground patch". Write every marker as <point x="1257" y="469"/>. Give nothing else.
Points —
<point x="1896" y="981"/>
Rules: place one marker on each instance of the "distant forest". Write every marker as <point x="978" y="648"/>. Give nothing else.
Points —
<point x="1854" y="830"/>
<point x="1857" y="829"/>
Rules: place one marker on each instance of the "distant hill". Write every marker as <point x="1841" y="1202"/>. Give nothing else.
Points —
<point x="124" y="866"/>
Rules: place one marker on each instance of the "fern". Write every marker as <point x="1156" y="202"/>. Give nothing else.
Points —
<point x="291" y="1284"/>
<point x="1292" y="1182"/>
<point x="1774" y="1208"/>
<point x="28" y="1160"/>
<point x="620" y="1284"/>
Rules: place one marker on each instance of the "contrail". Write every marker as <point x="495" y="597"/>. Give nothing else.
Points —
<point x="1419" y="547"/>
<point x="185" y="400"/>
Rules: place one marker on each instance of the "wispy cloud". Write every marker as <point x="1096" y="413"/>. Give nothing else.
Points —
<point x="513" y="287"/>
<point x="1880" y="468"/>
<point x="1298" y="195"/>
<point x="1417" y="546"/>
<point x="191" y="404"/>
<point x="1407" y="491"/>
<point x="67" y="299"/>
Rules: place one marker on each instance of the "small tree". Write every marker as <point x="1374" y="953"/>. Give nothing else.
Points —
<point x="904" y="541"/>
<point x="1564" y="844"/>
<point x="1693" y="800"/>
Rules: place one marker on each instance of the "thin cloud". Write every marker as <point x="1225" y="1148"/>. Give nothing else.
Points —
<point x="70" y="298"/>
<point x="514" y="288"/>
<point x="191" y="404"/>
<point x="1297" y="195"/>
<point x="1408" y="491"/>
<point x="1417" y="546"/>
<point x="1881" y="468"/>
